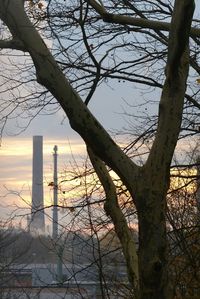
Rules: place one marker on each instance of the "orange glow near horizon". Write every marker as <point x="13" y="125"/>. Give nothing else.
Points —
<point x="16" y="167"/>
<point x="16" y="173"/>
<point x="183" y="179"/>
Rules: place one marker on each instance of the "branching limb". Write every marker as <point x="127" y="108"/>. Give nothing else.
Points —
<point x="98" y="7"/>
<point x="170" y="114"/>
<point x="139" y="22"/>
<point x="14" y="44"/>
<point x="113" y="210"/>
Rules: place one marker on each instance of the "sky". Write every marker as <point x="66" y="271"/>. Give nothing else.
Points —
<point x="16" y="153"/>
<point x="16" y="150"/>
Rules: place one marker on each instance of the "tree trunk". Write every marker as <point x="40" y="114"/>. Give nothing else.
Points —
<point x="153" y="270"/>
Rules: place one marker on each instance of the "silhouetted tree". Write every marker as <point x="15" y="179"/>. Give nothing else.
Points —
<point x="147" y="184"/>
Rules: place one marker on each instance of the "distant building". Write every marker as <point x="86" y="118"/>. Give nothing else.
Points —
<point x="39" y="281"/>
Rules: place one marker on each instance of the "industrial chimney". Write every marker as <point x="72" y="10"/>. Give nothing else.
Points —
<point x="55" y="196"/>
<point x="37" y="224"/>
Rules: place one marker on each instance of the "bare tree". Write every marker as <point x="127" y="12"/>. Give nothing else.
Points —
<point x="148" y="184"/>
<point x="183" y="233"/>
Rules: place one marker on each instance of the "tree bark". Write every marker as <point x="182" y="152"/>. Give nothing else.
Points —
<point x="121" y="228"/>
<point x="153" y="268"/>
<point x="151" y="192"/>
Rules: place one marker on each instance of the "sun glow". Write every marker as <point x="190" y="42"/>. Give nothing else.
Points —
<point x="73" y="189"/>
<point x="16" y="168"/>
<point x="184" y="179"/>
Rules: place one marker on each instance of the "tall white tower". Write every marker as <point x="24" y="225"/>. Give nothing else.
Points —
<point x="55" y="196"/>
<point x="55" y="236"/>
<point x="37" y="213"/>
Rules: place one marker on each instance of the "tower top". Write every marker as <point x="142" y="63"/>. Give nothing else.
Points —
<point x="55" y="149"/>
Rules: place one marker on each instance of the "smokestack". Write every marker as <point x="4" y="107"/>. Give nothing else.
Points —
<point x="55" y="217"/>
<point x="37" y="219"/>
<point x="55" y="196"/>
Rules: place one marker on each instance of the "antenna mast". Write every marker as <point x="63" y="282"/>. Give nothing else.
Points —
<point x="55" y="196"/>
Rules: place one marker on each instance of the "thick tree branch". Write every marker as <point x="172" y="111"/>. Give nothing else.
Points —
<point x="113" y="210"/>
<point x="14" y="44"/>
<point x="139" y="22"/>
<point x="172" y="99"/>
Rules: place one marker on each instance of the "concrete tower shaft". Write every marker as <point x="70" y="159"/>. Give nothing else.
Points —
<point x="37" y="219"/>
<point x="55" y="195"/>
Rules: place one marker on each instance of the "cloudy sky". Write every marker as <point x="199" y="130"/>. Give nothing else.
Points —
<point x="16" y="150"/>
